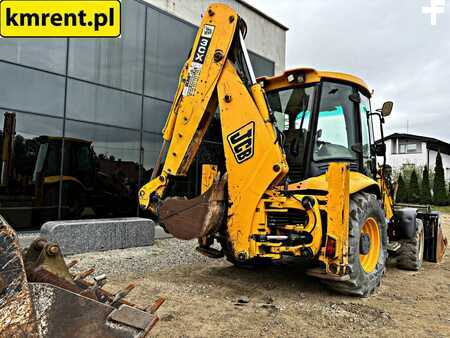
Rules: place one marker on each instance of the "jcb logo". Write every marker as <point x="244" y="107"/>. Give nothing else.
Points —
<point x="242" y="141"/>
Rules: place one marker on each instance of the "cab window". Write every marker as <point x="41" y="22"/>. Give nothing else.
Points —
<point x="336" y="124"/>
<point x="292" y="107"/>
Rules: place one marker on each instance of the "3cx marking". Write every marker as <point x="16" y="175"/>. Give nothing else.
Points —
<point x="203" y="44"/>
<point x="242" y="142"/>
<point x="199" y="58"/>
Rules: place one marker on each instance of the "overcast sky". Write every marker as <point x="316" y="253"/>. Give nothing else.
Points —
<point x="390" y="44"/>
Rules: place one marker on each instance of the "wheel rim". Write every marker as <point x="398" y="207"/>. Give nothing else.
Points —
<point x="369" y="261"/>
<point x="421" y="244"/>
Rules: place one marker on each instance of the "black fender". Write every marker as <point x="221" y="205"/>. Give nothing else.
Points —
<point x="405" y="221"/>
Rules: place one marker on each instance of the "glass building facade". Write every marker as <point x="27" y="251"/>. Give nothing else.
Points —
<point x="110" y="94"/>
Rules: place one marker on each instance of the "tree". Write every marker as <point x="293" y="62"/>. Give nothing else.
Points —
<point x="448" y="195"/>
<point x="414" y="190"/>
<point x="425" y="196"/>
<point x="402" y="190"/>
<point x="439" y="187"/>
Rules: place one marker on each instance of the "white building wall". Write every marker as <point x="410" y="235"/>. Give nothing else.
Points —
<point x="264" y="37"/>
<point x="396" y="161"/>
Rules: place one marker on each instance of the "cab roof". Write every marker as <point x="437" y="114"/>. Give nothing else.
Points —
<point x="309" y="76"/>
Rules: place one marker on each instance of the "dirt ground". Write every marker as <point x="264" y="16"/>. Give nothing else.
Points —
<point x="283" y="301"/>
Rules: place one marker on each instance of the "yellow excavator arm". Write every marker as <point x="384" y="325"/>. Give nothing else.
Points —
<point x="218" y="72"/>
<point x="193" y="107"/>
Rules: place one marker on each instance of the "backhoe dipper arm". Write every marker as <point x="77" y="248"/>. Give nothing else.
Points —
<point x="196" y="97"/>
<point x="192" y="109"/>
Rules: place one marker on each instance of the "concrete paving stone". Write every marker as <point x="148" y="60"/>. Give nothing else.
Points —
<point x="86" y="235"/>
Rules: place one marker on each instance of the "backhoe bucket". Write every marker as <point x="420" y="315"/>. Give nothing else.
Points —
<point x="197" y="217"/>
<point x="39" y="297"/>
<point x="435" y="241"/>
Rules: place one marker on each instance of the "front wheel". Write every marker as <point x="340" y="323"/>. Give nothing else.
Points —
<point x="367" y="246"/>
<point x="410" y="254"/>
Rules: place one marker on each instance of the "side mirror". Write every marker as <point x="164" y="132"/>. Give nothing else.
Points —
<point x="387" y="108"/>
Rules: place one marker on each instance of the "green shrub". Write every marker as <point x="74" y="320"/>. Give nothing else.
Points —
<point x="425" y="196"/>
<point x="414" y="190"/>
<point x="439" y="186"/>
<point x="402" y="190"/>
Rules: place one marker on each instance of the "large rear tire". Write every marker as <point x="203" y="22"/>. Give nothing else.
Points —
<point x="367" y="246"/>
<point x="410" y="254"/>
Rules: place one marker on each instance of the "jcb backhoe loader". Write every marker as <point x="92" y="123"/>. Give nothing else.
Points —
<point x="300" y="176"/>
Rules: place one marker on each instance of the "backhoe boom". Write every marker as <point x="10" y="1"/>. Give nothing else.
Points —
<point x="208" y="80"/>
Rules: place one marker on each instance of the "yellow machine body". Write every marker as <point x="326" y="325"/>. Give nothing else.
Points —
<point x="256" y="165"/>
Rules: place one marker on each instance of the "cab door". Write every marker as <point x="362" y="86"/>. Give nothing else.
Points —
<point x="336" y="127"/>
<point x="342" y="129"/>
<point x="368" y="163"/>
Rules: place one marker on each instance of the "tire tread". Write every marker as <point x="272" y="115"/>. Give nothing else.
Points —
<point x="363" y="205"/>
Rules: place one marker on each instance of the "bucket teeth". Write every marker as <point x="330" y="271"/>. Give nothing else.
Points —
<point x="72" y="264"/>
<point x="84" y="274"/>
<point x="95" y="288"/>
<point x="122" y="294"/>
<point x="46" y="264"/>
<point x="155" y="306"/>
<point x="100" y="278"/>
<point x="28" y="277"/>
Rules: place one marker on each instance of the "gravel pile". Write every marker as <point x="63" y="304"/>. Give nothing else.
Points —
<point x="139" y="261"/>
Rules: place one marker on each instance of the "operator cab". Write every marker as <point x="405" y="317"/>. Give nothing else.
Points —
<point x="323" y="117"/>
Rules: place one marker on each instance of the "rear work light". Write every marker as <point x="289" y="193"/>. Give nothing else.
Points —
<point x="330" y="250"/>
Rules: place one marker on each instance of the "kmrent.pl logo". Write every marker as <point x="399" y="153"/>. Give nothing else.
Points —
<point x="51" y="18"/>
